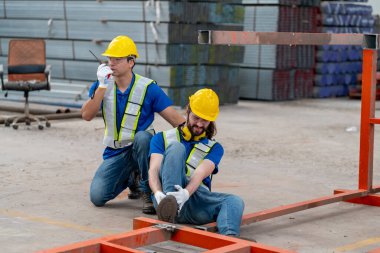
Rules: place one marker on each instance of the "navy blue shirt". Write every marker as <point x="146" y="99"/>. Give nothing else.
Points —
<point x="157" y="146"/>
<point x="155" y="101"/>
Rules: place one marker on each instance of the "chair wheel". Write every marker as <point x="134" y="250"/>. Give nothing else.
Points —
<point x="47" y="124"/>
<point x="40" y="127"/>
<point x="7" y="124"/>
<point x="15" y="127"/>
<point x="27" y="122"/>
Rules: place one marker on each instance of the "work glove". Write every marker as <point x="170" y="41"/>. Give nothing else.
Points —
<point x="181" y="195"/>
<point x="159" y="195"/>
<point x="104" y="76"/>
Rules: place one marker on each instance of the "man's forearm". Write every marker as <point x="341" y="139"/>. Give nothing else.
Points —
<point x="91" y="107"/>
<point x="154" y="181"/>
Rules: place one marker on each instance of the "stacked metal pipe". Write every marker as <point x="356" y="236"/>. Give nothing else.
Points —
<point x="278" y="72"/>
<point x="165" y="33"/>
<point x="337" y="67"/>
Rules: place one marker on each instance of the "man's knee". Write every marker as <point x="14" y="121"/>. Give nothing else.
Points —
<point x="176" y="147"/>
<point x="97" y="197"/>
<point x="143" y="138"/>
<point x="236" y="202"/>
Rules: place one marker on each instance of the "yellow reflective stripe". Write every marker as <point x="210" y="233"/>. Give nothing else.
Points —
<point x="115" y="133"/>
<point x="141" y="101"/>
<point x="105" y="119"/>
<point x="187" y="162"/>
<point x="165" y="140"/>
<point x="126" y="109"/>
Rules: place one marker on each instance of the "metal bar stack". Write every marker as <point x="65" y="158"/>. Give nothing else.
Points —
<point x="165" y="33"/>
<point x="337" y="67"/>
<point x="278" y="72"/>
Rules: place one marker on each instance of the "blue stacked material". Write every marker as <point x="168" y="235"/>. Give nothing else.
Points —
<point x="337" y="67"/>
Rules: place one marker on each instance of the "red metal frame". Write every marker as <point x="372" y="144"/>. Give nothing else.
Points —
<point x="146" y="233"/>
<point x="145" y="230"/>
<point x="365" y="193"/>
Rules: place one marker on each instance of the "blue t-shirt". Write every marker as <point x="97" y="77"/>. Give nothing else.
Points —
<point x="155" y="101"/>
<point x="157" y="146"/>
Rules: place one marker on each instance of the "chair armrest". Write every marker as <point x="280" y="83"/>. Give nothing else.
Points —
<point x="2" y="76"/>
<point x="47" y="72"/>
<point x="47" y="69"/>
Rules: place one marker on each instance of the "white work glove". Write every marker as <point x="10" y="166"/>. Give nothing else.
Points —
<point x="104" y="76"/>
<point x="181" y="195"/>
<point x="159" y="195"/>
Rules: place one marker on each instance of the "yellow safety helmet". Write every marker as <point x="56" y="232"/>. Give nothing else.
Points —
<point x="205" y="104"/>
<point x="121" y="46"/>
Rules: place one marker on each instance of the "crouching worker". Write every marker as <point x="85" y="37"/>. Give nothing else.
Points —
<point x="128" y="103"/>
<point x="182" y="161"/>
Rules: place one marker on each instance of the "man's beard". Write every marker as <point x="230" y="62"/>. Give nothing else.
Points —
<point x="192" y="131"/>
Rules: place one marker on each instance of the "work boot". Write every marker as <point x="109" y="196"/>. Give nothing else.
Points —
<point x="134" y="190"/>
<point x="148" y="207"/>
<point x="167" y="209"/>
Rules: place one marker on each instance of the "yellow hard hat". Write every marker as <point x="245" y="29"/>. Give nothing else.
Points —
<point x="121" y="46"/>
<point x="205" y="104"/>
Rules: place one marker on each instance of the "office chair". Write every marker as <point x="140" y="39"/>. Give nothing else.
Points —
<point x="27" y="71"/>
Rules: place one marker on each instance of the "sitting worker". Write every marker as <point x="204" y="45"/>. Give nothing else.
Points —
<point x="182" y="161"/>
<point x="128" y="102"/>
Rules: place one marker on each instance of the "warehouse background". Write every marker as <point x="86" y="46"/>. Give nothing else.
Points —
<point x="166" y="37"/>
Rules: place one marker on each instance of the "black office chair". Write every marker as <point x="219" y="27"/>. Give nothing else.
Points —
<point x="27" y="71"/>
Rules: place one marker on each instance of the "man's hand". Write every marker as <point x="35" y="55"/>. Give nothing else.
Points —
<point x="181" y="195"/>
<point x="104" y="76"/>
<point x="159" y="195"/>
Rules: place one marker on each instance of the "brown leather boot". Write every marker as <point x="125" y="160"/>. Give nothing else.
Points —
<point x="148" y="207"/>
<point x="134" y="189"/>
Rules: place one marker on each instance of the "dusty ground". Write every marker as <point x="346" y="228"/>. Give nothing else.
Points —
<point x="275" y="154"/>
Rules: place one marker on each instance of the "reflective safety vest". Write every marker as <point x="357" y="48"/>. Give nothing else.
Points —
<point x="126" y="134"/>
<point x="196" y="156"/>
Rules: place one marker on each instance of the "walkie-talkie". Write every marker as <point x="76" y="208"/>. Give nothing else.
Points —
<point x="100" y="62"/>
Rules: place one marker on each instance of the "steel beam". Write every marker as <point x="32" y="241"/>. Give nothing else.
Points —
<point x="286" y="38"/>
<point x="367" y="113"/>
<point x="296" y="207"/>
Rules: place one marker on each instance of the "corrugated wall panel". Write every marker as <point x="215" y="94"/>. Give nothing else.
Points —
<point x="2" y="9"/>
<point x="116" y="10"/>
<point x="33" y="28"/>
<point x="60" y="49"/>
<point x="110" y="10"/>
<point x="35" y="9"/>
<point x="81" y="50"/>
<point x="56" y="68"/>
<point x="96" y="30"/>
<point x="80" y="70"/>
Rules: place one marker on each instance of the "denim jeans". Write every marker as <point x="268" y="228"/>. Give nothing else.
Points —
<point x="203" y="206"/>
<point x="113" y="175"/>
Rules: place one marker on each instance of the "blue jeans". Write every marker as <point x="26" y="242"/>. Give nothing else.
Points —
<point x="113" y="175"/>
<point x="203" y="206"/>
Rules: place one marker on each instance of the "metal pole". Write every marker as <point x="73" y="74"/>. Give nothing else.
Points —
<point x="367" y="113"/>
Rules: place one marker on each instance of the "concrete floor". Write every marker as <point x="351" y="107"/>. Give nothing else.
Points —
<point x="275" y="154"/>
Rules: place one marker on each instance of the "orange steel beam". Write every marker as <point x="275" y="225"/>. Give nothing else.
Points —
<point x="204" y="239"/>
<point x="370" y="199"/>
<point x="146" y="232"/>
<point x="296" y="207"/>
<point x="370" y="43"/>
<point x="367" y="113"/>
<point x="375" y="251"/>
